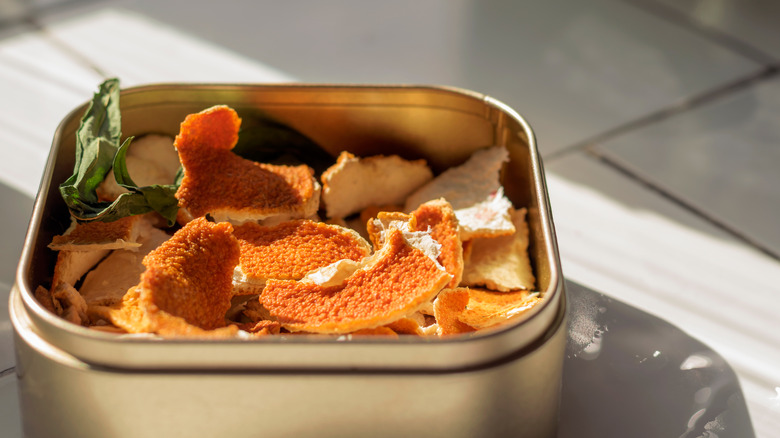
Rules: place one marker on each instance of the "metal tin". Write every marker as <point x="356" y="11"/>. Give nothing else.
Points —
<point x="74" y="381"/>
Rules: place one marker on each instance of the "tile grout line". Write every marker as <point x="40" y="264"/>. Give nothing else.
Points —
<point x="693" y="102"/>
<point x="713" y="34"/>
<point x="31" y="19"/>
<point x="618" y="165"/>
<point x="66" y="48"/>
<point x="7" y="372"/>
<point x="591" y="147"/>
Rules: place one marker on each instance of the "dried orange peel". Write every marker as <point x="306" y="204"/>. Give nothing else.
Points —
<point x="98" y="235"/>
<point x="436" y="217"/>
<point x="230" y="188"/>
<point x="464" y="310"/>
<point x="187" y="286"/>
<point x="393" y="283"/>
<point x="290" y="250"/>
<point x="447" y="307"/>
<point x="488" y="308"/>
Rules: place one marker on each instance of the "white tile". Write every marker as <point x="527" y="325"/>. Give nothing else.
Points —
<point x="658" y="260"/>
<point x="10" y="422"/>
<point x="574" y="68"/>
<point x="40" y="84"/>
<point x="15" y="216"/>
<point x="7" y="359"/>
<point x="12" y="10"/>
<point x="588" y="171"/>
<point x="139" y="50"/>
<point x="722" y="157"/>
<point x="752" y="22"/>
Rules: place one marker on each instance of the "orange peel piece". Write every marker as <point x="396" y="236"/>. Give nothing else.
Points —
<point x="261" y="328"/>
<point x="190" y="274"/>
<point x="464" y="310"/>
<point x="487" y="308"/>
<point x="447" y="307"/>
<point x="391" y="284"/>
<point x="220" y="183"/>
<point x="187" y="286"/>
<point x="292" y="249"/>
<point x="439" y="219"/>
<point x="98" y="235"/>
<point x="377" y="331"/>
<point x="406" y="326"/>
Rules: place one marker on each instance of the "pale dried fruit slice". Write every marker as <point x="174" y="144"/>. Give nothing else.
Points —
<point x="151" y="160"/>
<point x="72" y="265"/>
<point x="230" y="188"/>
<point x="353" y="183"/>
<point x="465" y="185"/>
<point x="71" y="304"/>
<point x="97" y="235"/>
<point x="290" y="250"/>
<point x="44" y="297"/>
<point x="121" y="270"/>
<point x="489" y="218"/>
<point x="501" y="263"/>
<point x="393" y="283"/>
<point x="489" y="308"/>
<point x="474" y="190"/>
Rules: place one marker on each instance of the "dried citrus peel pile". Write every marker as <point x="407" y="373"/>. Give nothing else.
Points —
<point x="253" y="258"/>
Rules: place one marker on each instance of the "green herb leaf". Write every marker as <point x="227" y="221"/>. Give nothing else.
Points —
<point x="97" y="140"/>
<point x="121" y="175"/>
<point x="97" y="151"/>
<point x="265" y="140"/>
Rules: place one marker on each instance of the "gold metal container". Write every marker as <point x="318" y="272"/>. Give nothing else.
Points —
<point x="78" y="382"/>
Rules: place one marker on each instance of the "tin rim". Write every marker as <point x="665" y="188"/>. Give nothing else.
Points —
<point x="444" y="353"/>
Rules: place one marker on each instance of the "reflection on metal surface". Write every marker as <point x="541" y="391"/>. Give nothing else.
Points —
<point x="635" y="385"/>
<point x="695" y="361"/>
<point x="585" y="328"/>
<point x="776" y="398"/>
<point x="695" y="418"/>
<point x="703" y="395"/>
<point x="593" y="349"/>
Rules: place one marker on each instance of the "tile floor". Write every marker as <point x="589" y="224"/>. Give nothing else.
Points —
<point x="655" y="119"/>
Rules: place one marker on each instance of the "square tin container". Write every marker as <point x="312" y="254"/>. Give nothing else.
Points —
<point x="74" y="381"/>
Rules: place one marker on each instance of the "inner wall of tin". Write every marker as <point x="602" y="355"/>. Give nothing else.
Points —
<point x="439" y="125"/>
